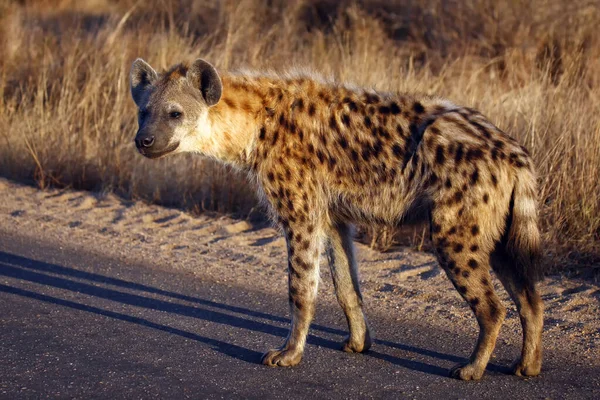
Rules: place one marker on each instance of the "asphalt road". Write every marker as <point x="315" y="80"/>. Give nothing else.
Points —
<point x="75" y="325"/>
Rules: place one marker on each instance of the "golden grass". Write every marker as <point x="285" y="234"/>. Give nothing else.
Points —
<point x="66" y="117"/>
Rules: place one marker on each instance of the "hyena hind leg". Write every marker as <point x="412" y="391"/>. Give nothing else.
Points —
<point x="469" y="270"/>
<point x="340" y="253"/>
<point x="530" y="308"/>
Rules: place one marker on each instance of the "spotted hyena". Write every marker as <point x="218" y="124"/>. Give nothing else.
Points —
<point x="326" y="155"/>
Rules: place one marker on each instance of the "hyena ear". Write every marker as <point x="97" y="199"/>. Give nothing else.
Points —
<point x="204" y="77"/>
<point x="141" y="77"/>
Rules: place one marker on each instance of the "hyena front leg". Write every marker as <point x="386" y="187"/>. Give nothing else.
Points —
<point x="304" y="248"/>
<point x="340" y="252"/>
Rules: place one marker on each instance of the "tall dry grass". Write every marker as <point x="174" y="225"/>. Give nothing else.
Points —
<point x="533" y="67"/>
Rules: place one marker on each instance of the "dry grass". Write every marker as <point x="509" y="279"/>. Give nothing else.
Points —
<point x="66" y="117"/>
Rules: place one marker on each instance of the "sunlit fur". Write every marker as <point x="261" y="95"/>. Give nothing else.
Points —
<point x="326" y="155"/>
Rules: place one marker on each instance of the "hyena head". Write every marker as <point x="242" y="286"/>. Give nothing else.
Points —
<point x="173" y="107"/>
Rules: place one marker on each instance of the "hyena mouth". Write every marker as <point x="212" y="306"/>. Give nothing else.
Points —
<point x="158" y="154"/>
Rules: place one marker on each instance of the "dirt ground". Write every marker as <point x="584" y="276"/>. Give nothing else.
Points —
<point x="213" y="247"/>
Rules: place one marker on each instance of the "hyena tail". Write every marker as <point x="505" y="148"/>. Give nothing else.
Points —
<point x="524" y="242"/>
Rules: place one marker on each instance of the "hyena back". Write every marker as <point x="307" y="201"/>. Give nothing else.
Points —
<point x="326" y="156"/>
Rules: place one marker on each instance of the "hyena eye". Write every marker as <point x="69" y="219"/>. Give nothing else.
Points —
<point x="174" y="114"/>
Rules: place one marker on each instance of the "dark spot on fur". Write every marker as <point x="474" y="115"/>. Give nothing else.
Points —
<point x="367" y="121"/>
<point x="399" y="130"/>
<point x="474" y="248"/>
<point x="439" y="155"/>
<point x="354" y="155"/>
<point x="458" y="248"/>
<point x="323" y="140"/>
<point x="384" y="109"/>
<point x="433" y="178"/>
<point x="474" y="302"/>
<point x="475" y="177"/>
<point x="494" y="180"/>
<point x="411" y="175"/>
<point x="411" y="144"/>
<point x="371" y="98"/>
<point x="346" y="119"/>
<point x="333" y="123"/>
<point x="458" y="196"/>
<point x="452" y="231"/>
<point x="299" y="104"/>
<point x="383" y="133"/>
<point x="351" y="104"/>
<point x="494" y="311"/>
<point x="331" y="163"/>
<point x="474" y="154"/>
<point x="485" y="282"/>
<point x="466" y="274"/>
<point x="462" y="289"/>
<point x="262" y="134"/>
<point x="494" y="153"/>
<point x="448" y="183"/>
<point x="458" y="156"/>
<point x="475" y="230"/>
<point x="418" y="108"/>
<point x="486" y="198"/>
<point x="311" y="110"/>
<point x="366" y="153"/>
<point x="394" y="108"/>
<point x="325" y="97"/>
<point x="320" y="156"/>
<point x="482" y="129"/>
<point x="397" y="150"/>
<point x="473" y="264"/>
<point x="436" y="228"/>
<point x="343" y="142"/>
<point x="275" y="137"/>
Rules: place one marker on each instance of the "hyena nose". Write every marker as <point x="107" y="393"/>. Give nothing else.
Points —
<point x="146" y="141"/>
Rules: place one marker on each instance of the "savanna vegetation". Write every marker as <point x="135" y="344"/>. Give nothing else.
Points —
<point x="532" y="66"/>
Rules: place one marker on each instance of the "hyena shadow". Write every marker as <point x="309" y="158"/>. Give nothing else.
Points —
<point x="86" y="283"/>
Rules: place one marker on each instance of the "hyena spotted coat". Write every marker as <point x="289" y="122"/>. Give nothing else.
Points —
<point x="326" y="155"/>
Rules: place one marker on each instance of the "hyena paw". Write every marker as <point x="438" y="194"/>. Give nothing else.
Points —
<point x="354" y="345"/>
<point x="281" y="358"/>
<point x="467" y="372"/>
<point x="520" y="368"/>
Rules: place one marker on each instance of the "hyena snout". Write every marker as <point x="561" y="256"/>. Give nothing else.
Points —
<point x="144" y="140"/>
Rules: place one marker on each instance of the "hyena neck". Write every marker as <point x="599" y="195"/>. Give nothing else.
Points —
<point x="236" y="120"/>
<point x="247" y="105"/>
